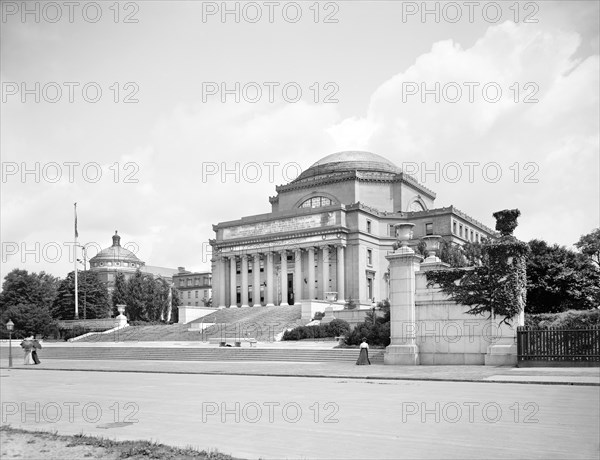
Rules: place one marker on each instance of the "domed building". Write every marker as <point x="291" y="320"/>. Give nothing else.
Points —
<point x="328" y="233"/>
<point x="117" y="259"/>
<point x="114" y="259"/>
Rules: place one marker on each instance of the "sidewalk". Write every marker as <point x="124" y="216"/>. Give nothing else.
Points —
<point x="484" y="374"/>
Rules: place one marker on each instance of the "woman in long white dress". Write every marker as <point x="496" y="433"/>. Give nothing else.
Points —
<point x="27" y="345"/>
<point x="363" y="357"/>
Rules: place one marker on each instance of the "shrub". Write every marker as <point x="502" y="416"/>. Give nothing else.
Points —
<point x="574" y="319"/>
<point x="377" y="333"/>
<point x="337" y="327"/>
<point x="350" y="304"/>
<point x="319" y="315"/>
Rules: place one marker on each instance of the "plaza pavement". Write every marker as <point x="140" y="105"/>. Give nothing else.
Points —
<point x="584" y="376"/>
<point x="307" y="418"/>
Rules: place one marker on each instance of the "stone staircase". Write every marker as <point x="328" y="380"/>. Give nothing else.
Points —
<point x="261" y="323"/>
<point x="215" y="353"/>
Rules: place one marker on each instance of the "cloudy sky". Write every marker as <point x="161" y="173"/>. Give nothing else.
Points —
<point x="161" y="119"/>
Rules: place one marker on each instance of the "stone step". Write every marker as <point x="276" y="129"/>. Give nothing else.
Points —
<point x="206" y="354"/>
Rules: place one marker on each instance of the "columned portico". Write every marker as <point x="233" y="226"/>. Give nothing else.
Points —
<point x="297" y="276"/>
<point x="269" y="279"/>
<point x="340" y="274"/>
<point x="232" y="282"/>
<point x="244" y="287"/>
<point x="311" y="272"/>
<point x="221" y="271"/>
<point x="256" y="282"/>
<point x="283" y="279"/>
<point x="325" y="270"/>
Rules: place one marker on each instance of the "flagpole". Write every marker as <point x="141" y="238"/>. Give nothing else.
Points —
<point x="76" y="290"/>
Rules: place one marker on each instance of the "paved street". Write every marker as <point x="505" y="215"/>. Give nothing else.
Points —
<point x="294" y="417"/>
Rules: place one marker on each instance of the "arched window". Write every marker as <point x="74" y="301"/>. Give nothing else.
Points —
<point x="416" y="206"/>
<point x="316" y="202"/>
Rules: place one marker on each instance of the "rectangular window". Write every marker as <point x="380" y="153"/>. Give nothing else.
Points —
<point x="370" y="287"/>
<point x="429" y="228"/>
<point x="369" y="257"/>
<point x="261" y="264"/>
<point x="472" y="235"/>
<point x="368" y="226"/>
<point x="189" y="294"/>
<point x="460" y="230"/>
<point x="392" y="230"/>
<point x="196" y="294"/>
<point x="205" y="293"/>
<point x="454" y="227"/>
<point x="238" y="268"/>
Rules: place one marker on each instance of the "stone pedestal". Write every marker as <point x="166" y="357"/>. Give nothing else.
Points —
<point x="328" y="316"/>
<point x="402" y="355"/>
<point x="403" y="349"/>
<point x="501" y="355"/>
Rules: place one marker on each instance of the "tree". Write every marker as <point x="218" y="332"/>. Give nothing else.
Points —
<point x="449" y="253"/>
<point x="590" y="246"/>
<point x="560" y="279"/>
<point x="25" y="300"/>
<point x="29" y="319"/>
<point x="90" y="288"/>
<point x="137" y="297"/>
<point x="175" y="302"/>
<point x="498" y="285"/>
<point x="119" y="293"/>
<point x="21" y="287"/>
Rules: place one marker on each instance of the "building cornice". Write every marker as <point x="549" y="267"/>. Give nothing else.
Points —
<point x="361" y="176"/>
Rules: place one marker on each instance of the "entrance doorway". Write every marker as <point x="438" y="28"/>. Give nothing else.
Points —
<point x="290" y="288"/>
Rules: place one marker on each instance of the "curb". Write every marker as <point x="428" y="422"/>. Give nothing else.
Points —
<point x="322" y="376"/>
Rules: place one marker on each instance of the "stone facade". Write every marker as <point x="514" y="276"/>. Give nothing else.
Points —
<point x="329" y="230"/>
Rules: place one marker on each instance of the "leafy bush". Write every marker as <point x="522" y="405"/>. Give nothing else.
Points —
<point x="350" y="304"/>
<point x="574" y="319"/>
<point x="147" y="323"/>
<point x="377" y="333"/>
<point x="319" y="316"/>
<point x="335" y="328"/>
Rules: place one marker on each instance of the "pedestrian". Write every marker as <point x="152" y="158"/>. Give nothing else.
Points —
<point x="36" y="346"/>
<point x="363" y="357"/>
<point x="27" y="346"/>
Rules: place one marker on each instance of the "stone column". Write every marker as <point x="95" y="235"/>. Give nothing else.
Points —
<point x="297" y="276"/>
<point x="269" y="279"/>
<point x="311" y="273"/>
<point x="256" y="282"/>
<point x="403" y="349"/>
<point x="221" y="278"/>
<point x="232" y="282"/>
<point x="284" y="284"/>
<point x="325" y="270"/>
<point x="244" y="273"/>
<point x="340" y="274"/>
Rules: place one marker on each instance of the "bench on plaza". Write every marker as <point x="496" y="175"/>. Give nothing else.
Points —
<point x="237" y="342"/>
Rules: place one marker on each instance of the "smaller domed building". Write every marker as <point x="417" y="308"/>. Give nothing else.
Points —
<point x="117" y="259"/>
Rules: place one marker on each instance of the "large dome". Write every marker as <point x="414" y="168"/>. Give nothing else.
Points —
<point x="116" y="255"/>
<point x="350" y="161"/>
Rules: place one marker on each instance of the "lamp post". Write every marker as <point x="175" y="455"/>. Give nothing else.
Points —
<point x="9" y="326"/>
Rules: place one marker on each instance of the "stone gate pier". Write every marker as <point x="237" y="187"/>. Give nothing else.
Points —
<point x="428" y="328"/>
